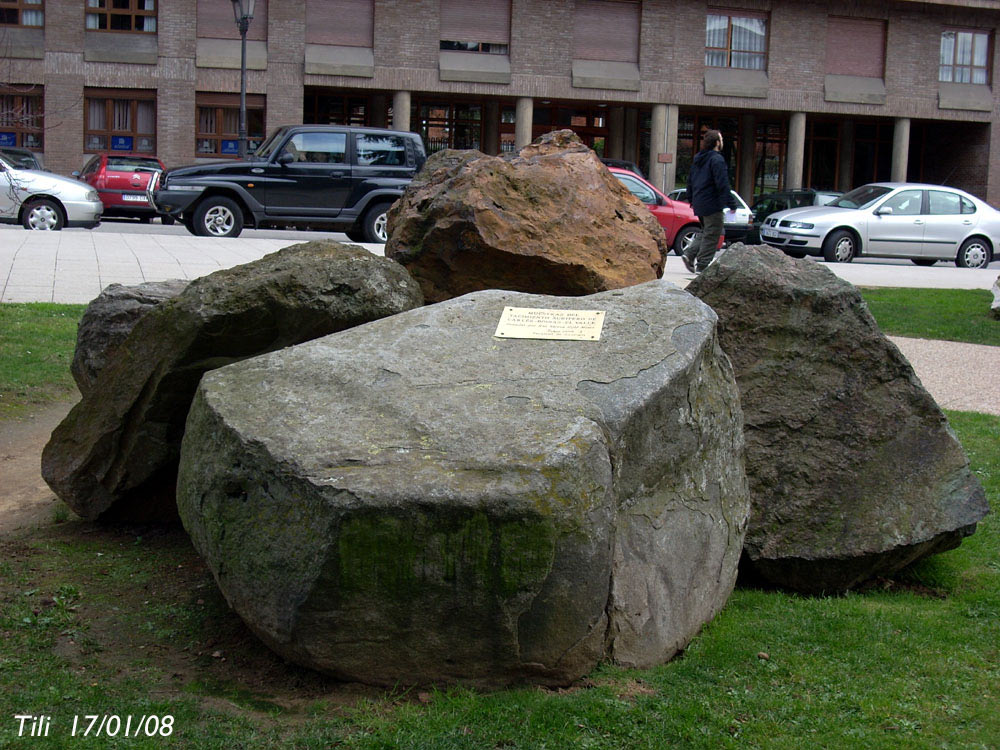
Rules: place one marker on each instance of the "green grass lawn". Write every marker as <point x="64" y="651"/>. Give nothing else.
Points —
<point x="36" y="348"/>
<point x="949" y="314"/>
<point x="128" y="622"/>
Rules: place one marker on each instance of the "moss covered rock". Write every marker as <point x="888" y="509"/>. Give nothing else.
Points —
<point x="417" y="501"/>
<point x="115" y="454"/>
<point x="853" y="469"/>
<point x="107" y="322"/>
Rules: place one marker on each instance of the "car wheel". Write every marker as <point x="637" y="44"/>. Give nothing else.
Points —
<point x="974" y="253"/>
<point x="375" y="229"/>
<point x="686" y="238"/>
<point x="166" y="220"/>
<point x="43" y="214"/>
<point x="218" y="216"/>
<point x="840" y="247"/>
<point x="355" y="235"/>
<point x="923" y="261"/>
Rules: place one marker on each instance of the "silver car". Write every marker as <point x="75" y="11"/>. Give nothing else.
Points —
<point x="925" y="223"/>
<point x="42" y="200"/>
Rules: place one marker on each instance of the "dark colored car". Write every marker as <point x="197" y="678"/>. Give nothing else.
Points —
<point x="783" y="200"/>
<point x="21" y="158"/>
<point x="121" y="181"/>
<point x="329" y="176"/>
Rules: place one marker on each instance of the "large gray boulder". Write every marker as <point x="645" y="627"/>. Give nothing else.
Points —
<point x="415" y="501"/>
<point x="115" y="455"/>
<point x="995" y="305"/>
<point x="108" y="320"/>
<point x="853" y="469"/>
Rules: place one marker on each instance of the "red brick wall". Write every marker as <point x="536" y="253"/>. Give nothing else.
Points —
<point x="671" y="62"/>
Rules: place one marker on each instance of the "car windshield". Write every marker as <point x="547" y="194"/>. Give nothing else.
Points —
<point x="861" y="197"/>
<point x="128" y="163"/>
<point x="265" y="149"/>
<point x="21" y="160"/>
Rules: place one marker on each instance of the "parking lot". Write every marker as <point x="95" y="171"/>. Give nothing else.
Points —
<point x="74" y="265"/>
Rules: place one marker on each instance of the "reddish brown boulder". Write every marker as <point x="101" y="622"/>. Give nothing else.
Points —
<point x="548" y="220"/>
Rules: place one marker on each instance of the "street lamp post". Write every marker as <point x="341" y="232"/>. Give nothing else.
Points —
<point x="243" y="11"/>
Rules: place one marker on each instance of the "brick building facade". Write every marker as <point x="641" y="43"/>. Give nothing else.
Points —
<point x="823" y="94"/>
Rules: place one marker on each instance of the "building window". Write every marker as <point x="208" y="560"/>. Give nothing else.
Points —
<point x="121" y="15"/>
<point x="456" y="125"/>
<point x="736" y="41"/>
<point x="21" y="121"/>
<point x="22" y="13"/>
<point x="592" y="38"/>
<point x="218" y="124"/>
<point x="215" y="21"/>
<point x="964" y="56"/>
<point x="347" y="23"/>
<point x="120" y="122"/>
<point x="855" y="47"/>
<point x="480" y="27"/>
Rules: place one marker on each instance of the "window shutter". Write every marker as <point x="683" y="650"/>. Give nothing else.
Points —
<point x="855" y="47"/>
<point x="215" y="21"/>
<point x="475" y="21"/>
<point x="606" y="30"/>
<point x="218" y="99"/>
<point x="349" y="23"/>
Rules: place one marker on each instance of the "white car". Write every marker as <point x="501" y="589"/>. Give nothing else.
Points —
<point x="43" y="200"/>
<point x="736" y="224"/>
<point x="925" y="223"/>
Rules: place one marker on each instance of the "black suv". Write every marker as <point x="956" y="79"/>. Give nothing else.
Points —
<point x="329" y="176"/>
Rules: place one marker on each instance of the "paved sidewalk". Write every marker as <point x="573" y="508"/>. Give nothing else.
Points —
<point x="72" y="266"/>
<point x="75" y="265"/>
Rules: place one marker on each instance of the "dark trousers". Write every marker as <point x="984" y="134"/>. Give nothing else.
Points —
<point x="701" y="253"/>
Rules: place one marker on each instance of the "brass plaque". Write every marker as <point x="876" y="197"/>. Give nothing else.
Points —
<point x="560" y="325"/>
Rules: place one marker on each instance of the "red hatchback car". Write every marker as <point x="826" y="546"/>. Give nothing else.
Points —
<point x="679" y="223"/>
<point x="121" y="182"/>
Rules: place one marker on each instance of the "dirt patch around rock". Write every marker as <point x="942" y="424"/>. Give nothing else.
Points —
<point x="25" y="500"/>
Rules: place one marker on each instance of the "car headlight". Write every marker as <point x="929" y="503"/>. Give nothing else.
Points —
<point x="800" y="225"/>
<point x="93" y="196"/>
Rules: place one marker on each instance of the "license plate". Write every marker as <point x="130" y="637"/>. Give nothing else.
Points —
<point x="768" y="233"/>
<point x="134" y="198"/>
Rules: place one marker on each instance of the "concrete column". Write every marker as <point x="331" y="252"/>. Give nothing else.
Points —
<point x="491" y="129"/>
<point x="657" y="143"/>
<point x="378" y="118"/>
<point x="748" y="156"/>
<point x="845" y="167"/>
<point x="795" y="154"/>
<point x="900" y="149"/>
<point x="670" y="147"/>
<point x="401" y="110"/>
<point x="630" y="141"/>
<point x="524" y="111"/>
<point x="615" y="143"/>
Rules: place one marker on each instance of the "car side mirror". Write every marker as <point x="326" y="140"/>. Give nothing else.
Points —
<point x="285" y="158"/>
<point x="883" y="211"/>
<point x="76" y="174"/>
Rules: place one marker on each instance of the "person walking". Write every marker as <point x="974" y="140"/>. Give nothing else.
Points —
<point x="708" y="193"/>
